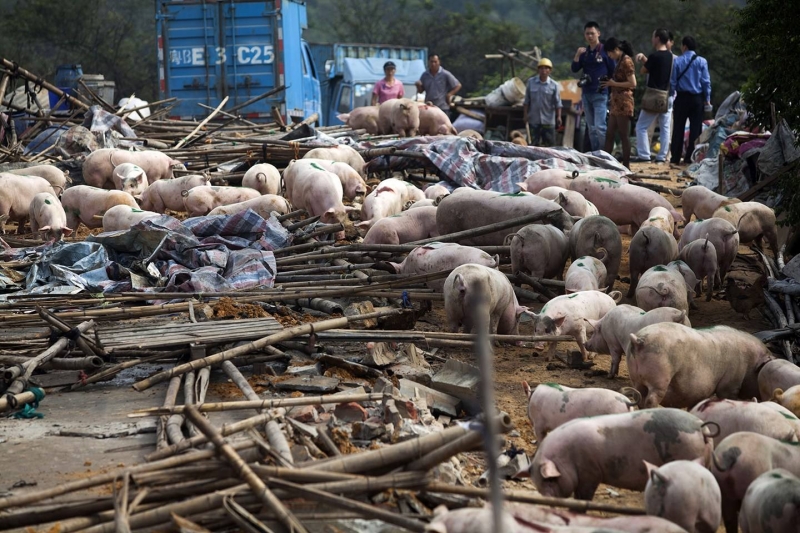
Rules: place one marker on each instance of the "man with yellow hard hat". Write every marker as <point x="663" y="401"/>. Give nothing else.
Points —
<point x="542" y="108"/>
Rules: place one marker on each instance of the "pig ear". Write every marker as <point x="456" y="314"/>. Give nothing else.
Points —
<point x="559" y="320"/>
<point x="777" y="394"/>
<point x="44" y="228"/>
<point x="549" y="470"/>
<point x="497" y="261"/>
<point x="522" y="186"/>
<point x="140" y="178"/>
<point x="653" y="474"/>
<point x="67" y="231"/>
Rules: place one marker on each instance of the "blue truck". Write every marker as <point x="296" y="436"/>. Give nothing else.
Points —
<point x="241" y="49"/>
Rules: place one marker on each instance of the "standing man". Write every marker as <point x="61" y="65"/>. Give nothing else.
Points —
<point x="595" y="64"/>
<point x="658" y="67"/>
<point x="439" y="85"/>
<point x="692" y="86"/>
<point x="542" y="107"/>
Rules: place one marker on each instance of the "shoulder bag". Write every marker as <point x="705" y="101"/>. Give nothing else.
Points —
<point x="656" y="100"/>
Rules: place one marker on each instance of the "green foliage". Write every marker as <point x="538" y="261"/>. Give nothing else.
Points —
<point x="116" y="39"/>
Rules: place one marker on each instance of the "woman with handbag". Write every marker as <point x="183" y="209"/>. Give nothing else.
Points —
<point x="656" y="105"/>
<point x="622" y="84"/>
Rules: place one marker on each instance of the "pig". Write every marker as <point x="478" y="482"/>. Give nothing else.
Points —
<point x="612" y="332"/>
<point x="551" y="405"/>
<point x="98" y="168"/>
<point x="662" y="286"/>
<point x="677" y="366"/>
<point x="408" y="226"/>
<point x="469" y="281"/>
<point x="766" y="418"/>
<point x="560" y="518"/>
<point x="263" y="205"/>
<point x="567" y="314"/>
<point x="688" y="276"/>
<point x="130" y="178"/>
<point x="739" y="460"/>
<point x="777" y="374"/>
<point x="199" y="201"/>
<point x="467" y="208"/>
<point x="554" y="177"/>
<point x="539" y="250"/>
<point x="702" y="202"/>
<point x="754" y="221"/>
<point x="435" y="191"/>
<point x="166" y="194"/>
<point x="597" y="236"/>
<point x="622" y="202"/>
<point x="579" y="455"/>
<point x="338" y="152"/>
<point x="400" y="116"/>
<point x="388" y="199"/>
<point x="353" y="184"/>
<point x="85" y="205"/>
<point x="434" y="121"/>
<point x="319" y="192"/>
<point x="123" y="217"/>
<point x="48" y="217"/>
<point x="55" y="176"/>
<point x="790" y="398"/>
<point x="439" y="256"/>
<point x="685" y="493"/>
<point x="572" y="202"/>
<point x="661" y="218"/>
<point x="586" y="273"/>
<point x="649" y="247"/>
<point x="722" y="234"/>
<point x="365" y="117"/>
<point x="771" y="503"/>
<point x="264" y="178"/>
<point x="701" y="256"/>
<point x="423" y="203"/>
<point x="471" y="520"/>
<point x="16" y="195"/>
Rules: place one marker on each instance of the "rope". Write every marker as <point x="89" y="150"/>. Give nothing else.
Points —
<point x="29" y="411"/>
<point x="73" y="335"/>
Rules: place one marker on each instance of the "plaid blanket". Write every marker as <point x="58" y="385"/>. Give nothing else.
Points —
<point x="489" y="165"/>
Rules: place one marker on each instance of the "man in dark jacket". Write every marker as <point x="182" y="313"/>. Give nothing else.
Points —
<point x="691" y="84"/>
<point x="594" y="62"/>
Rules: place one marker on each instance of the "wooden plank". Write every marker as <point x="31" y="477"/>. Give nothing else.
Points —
<point x="188" y="331"/>
<point x="113" y="339"/>
<point x="182" y="323"/>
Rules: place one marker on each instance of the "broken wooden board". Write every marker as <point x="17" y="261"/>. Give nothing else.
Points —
<point x="460" y="380"/>
<point x="437" y="401"/>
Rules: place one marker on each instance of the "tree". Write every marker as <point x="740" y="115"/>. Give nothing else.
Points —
<point x="116" y="39"/>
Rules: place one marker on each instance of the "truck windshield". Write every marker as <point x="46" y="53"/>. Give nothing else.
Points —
<point x="363" y="94"/>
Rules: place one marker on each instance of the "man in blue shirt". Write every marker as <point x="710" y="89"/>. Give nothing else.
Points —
<point x="691" y="84"/>
<point x="542" y="107"/>
<point x="595" y="64"/>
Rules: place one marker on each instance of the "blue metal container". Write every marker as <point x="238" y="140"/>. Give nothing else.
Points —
<point x="67" y="76"/>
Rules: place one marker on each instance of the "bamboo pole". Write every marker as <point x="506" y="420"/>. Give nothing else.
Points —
<point x="491" y="228"/>
<point x="16" y="69"/>
<point x="203" y="123"/>
<point x="169" y="401"/>
<point x="243" y="470"/>
<point x="20" y="399"/>
<point x="258" y="344"/>
<point x="262" y="404"/>
<point x="15" y="372"/>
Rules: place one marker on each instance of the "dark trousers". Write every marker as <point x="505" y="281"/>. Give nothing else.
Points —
<point x="687" y="106"/>
<point x="543" y="134"/>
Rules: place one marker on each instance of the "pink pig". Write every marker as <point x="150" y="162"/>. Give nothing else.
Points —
<point x="123" y="217"/>
<point x="460" y="289"/>
<point x="721" y="233"/>
<point x="167" y="194"/>
<point x="434" y="121"/>
<point x="551" y="405"/>
<point x="612" y="449"/>
<point x="740" y="459"/>
<point x="677" y="366"/>
<point x="586" y="273"/>
<point x="48" y="217"/>
<point x="58" y="178"/>
<point x="85" y="204"/>
<point x="554" y="177"/>
<point x="408" y="226"/>
<point x="702" y="202"/>
<point x="435" y="191"/>
<point x="338" y="152"/>
<point x="16" y="195"/>
<point x="766" y="418"/>
<point x="353" y="184"/>
<point x="365" y="117"/>
<point x="685" y="493"/>
<point x="771" y="503"/>
<point x="130" y="178"/>
<point x="264" y="178"/>
<point x="539" y="250"/>
<point x="319" y="192"/>
<point x="263" y="205"/>
<point x="98" y="168"/>
<point x="573" y="202"/>
<point x="199" y="201"/>
<point x="387" y="199"/>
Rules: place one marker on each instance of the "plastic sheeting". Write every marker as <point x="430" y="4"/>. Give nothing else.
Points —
<point x="202" y="254"/>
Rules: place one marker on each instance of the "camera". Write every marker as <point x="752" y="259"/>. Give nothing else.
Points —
<point x="601" y="79"/>
<point x="585" y="80"/>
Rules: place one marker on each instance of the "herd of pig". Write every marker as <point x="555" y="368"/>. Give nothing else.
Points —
<point x="400" y="116"/>
<point x="667" y="452"/>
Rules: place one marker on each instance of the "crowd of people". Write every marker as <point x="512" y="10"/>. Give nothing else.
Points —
<point x="678" y="88"/>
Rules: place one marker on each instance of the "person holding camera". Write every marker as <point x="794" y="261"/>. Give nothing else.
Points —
<point x="691" y="84"/>
<point x="656" y="102"/>
<point x="622" y="84"/>
<point x="595" y="63"/>
<point x="542" y="107"/>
